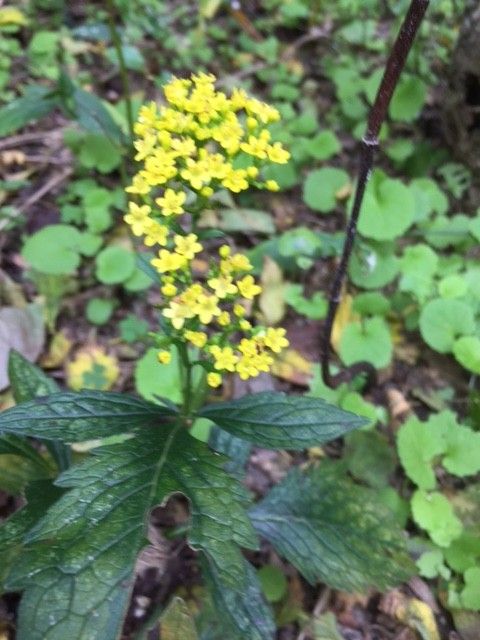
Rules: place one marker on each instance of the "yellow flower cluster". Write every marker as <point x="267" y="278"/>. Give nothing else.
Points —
<point x="200" y="143"/>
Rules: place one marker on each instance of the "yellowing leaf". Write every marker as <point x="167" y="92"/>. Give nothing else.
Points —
<point x="177" y="622"/>
<point x="272" y="302"/>
<point x="344" y="316"/>
<point x="418" y="616"/>
<point x="92" y="368"/>
<point x="11" y="15"/>
<point x="57" y="351"/>
<point x="292" y="366"/>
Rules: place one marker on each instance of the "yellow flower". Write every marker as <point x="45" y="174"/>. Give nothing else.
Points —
<point x="224" y="357"/>
<point x="145" y="146"/>
<point x="235" y="180"/>
<point x="187" y="246"/>
<point x="255" y="147"/>
<point x="222" y="286"/>
<point x="275" y="339"/>
<point x="191" y="295"/>
<point x="240" y="262"/>
<point x="245" y="325"/>
<point x="214" y="379"/>
<point x="239" y="310"/>
<point x="248" y="288"/>
<point x="155" y="233"/>
<point x="177" y="313"/>
<point x="171" y="202"/>
<point x="206" y="308"/>
<point x="224" y="319"/>
<point x="136" y="217"/>
<point x="272" y="185"/>
<point x="197" y="338"/>
<point x="140" y="185"/>
<point x="276" y="153"/>
<point x="224" y="251"/>
<point x="168" y="261"/>
<point x="196" y="173"/>
<point x="169" y="290"/>
<point x="164" y="357"/>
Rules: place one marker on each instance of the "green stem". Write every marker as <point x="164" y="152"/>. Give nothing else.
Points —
<point x="186" y="376"/>
<point x="122" y="66"/>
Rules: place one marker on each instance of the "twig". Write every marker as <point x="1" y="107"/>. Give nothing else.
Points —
<point x="378" y="112"/>
<point x="54" y="181"/>
<point x="30" y="136"/>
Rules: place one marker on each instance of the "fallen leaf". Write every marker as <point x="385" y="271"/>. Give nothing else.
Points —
<point x="411" y="611"/>
<point x="58" y="351"/>
<point x="272" y="302"/>
<point x="11" y="15"/>
<point x="22" y="330"/>
<point x="290" y="365"/>
<point x="344" y="316"/>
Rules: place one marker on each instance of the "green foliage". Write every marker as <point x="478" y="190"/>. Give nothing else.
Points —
<point x="467" y="353"/>
<point x="278" y="421"/>
<point x="322" y="186"/>
<point x="434" y="513"/>
<point x="273" y="582"/>
<point x="338" y="553"/>
<point x="99" y="310"/>
<point x="367" y="341"/>
<point x="57" y="249"/>
<point x="388" y="209"/>
<point x="119" y="483"/>
<point x="444" y="320"/>
<point x="114" y="265"/>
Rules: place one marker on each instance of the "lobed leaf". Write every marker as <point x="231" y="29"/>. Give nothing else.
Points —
<point x="78" y="567"/>
<point x="277" y="421"/>
<point x="332" y="530"/>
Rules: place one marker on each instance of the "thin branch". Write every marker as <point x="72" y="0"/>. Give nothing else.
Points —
<point x="378" y="112"/>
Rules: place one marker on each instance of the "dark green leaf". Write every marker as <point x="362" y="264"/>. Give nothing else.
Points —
<point x="332" y="530"/>
<point x="74" y="417"/>
<point x="93" y="116"/>
<point x="78" y="567"/>
<point x="36" y="103"/>
<point x="40" y="495"/>
<point x="28" y="381"/>
<point x="277" y="421"/>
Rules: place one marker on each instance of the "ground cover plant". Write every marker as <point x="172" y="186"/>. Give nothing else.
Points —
<point x="189" y="457"/>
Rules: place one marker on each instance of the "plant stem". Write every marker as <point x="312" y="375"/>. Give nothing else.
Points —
<point x="186" y="376"/>
<point x="378" y="112"/>
<point x="117" y="43"/>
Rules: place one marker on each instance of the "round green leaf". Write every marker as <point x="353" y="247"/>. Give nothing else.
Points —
<point x="418" y="264"/>
<point x="323" y="146"/>
<point x="434" y="513"/>
<point x="53" y="249"/>
<point x="408" y="99"/>
<point x="367" y="341"/>
<point x="114" y="265"/>
<point x="467" y="353"/>
<point x="371" y="303"/>
<point x="138" y="281"/>
<point x="428" y="198"/>
<point x="99" y="310"/>
<point x="373" y="265"/>
<point x="321" y="187"/>
<point x="388" y="209"/>
<point x="441" y="321"/>
<point x="453" y="286"/>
